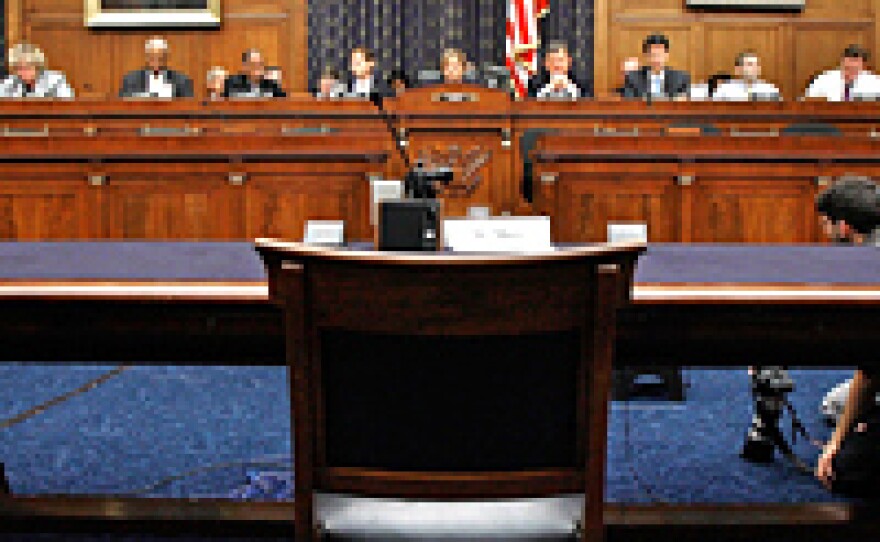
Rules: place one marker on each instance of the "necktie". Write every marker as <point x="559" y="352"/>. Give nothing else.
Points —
<point x="847" y="92"/>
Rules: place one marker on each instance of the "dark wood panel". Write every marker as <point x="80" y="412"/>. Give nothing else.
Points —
<point x="510" y="300"/>
<point x="195" y="188"/>
<point x="278" y="205"/>
<point x="95" y="61"/>
<point x="687" y="189"/>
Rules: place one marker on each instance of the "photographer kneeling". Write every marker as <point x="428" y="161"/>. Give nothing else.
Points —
<point x="850" y="213"/>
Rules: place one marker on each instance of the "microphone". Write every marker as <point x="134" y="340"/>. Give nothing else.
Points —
<point x="419" y="182"/>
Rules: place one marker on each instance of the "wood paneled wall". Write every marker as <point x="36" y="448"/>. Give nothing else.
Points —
<point x="794" y="46"/>
<point x="96" y="60"/>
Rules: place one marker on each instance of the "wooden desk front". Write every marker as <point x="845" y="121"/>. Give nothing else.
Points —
<point x="693" y="189"/>
<point x="185" y="187"/>
<point x="482" y="140"/>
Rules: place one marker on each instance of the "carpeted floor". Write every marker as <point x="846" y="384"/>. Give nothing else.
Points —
<point x="150" y="424"/>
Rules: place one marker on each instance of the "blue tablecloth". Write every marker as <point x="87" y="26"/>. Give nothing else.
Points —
<point x="238" y="261"/>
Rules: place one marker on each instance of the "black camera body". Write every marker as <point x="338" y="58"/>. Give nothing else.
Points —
<point x="422" y="183"/>
<point x="772" y="380"/>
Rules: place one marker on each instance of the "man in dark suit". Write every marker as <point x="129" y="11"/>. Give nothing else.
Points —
<point x="365" y="81"/>
<point x="655" y="80"/>
<point x="555" y="81"/>
<point x="155" y="79"/>
<point x="252" y="82"/>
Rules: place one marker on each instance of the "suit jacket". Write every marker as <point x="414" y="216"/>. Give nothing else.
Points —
<point x="379" y="88"/>
<point x="542" y="79"/>
<point x="239" y="85"/>
<point x="675" y="83"/>
<point x="136" y="82"/>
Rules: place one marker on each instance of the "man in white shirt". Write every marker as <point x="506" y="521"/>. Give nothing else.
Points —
<point x="556" y="83"/>
<point x="748" y="86"/>
<point x="850" y="82"/>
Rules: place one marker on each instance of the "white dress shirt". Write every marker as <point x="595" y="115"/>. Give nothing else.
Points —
<point x="158" y="86"/>
<point x="569" y="91"/>
<point x="740" y="90"/>
<point x="831" y="87"/>
<point x="699" y="92"/>
<point x="49" y="84"/>
<point x="363" y="87"/>
<point x="656" y="87"/>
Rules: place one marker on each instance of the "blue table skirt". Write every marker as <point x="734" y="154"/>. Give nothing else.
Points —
<point x="237" y="261"/>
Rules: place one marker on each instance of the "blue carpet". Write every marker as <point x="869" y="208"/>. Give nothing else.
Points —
<point x="151" y="423"/>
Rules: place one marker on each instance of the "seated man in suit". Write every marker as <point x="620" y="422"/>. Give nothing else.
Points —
<point x="29" y="77"/>
<point x="252" y="82"/>
<point x="851" y="81"/>
<point x="656" y="80"/>
<point x="155" y="79"/>
<point x="555" y="81"/>
<point x="365" y="81"/>
<point x="628" y="66"/>
<point x="329" y="85"/>
<point x="274" y="73"/>
<point x="398" y="82"/>
<point x="850" y="213"/>
<point x="216" y="82"/>
<point x="456" y="68"/>
<point x="748" y="85"/>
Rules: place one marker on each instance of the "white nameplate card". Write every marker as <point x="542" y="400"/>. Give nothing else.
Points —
<point x="381" y="189"/>
<point x="498" y="234"/>
<point x="627" y="233"/>
<point x="325" y="232"/>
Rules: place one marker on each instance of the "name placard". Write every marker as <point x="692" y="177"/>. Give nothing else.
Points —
<point x="627" y="233"/>
<point x="325" y="232"/>
<point x="498" y="234"/>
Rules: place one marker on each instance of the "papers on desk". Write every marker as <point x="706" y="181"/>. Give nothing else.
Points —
<point x="498" y="234"/>
<point x="381" y="189"/>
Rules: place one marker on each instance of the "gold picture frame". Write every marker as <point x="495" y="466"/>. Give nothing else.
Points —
<point x="151" y="13"/>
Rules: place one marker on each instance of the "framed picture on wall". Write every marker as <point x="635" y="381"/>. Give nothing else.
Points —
<point x="151" y="13"/>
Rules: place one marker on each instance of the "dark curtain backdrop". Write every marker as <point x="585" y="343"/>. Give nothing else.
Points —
<point x="412" y="34"/>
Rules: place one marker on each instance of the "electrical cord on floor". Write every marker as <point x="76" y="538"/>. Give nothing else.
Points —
<point x="42" y="407"/>
<point x="268" y="461"/>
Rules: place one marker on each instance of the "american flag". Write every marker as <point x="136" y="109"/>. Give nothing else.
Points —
<point x="523" y="40"/>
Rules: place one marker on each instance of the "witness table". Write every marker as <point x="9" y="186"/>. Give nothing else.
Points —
<point x="94" y="301"/>
<point x="208" y="303"/>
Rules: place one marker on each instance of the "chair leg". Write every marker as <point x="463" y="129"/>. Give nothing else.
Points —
<point x="4" y="482"/>
<point x="674" y="384"/>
